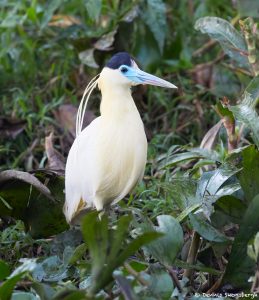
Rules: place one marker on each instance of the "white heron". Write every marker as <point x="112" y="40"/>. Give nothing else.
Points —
<point x="108" y="157"/>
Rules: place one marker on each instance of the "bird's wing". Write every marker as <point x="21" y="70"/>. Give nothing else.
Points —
<point x="79" y="171"/>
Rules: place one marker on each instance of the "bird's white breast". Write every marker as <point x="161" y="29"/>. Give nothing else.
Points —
<point x="105" y="162"/>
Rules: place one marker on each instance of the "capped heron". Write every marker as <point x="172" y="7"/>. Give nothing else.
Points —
<point x="108" y="157"/>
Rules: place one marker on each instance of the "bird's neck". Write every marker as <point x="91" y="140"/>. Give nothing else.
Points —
<point x="117" y="102"/>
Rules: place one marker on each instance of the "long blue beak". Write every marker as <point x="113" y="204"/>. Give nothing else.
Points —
<point x="140" y="77"/>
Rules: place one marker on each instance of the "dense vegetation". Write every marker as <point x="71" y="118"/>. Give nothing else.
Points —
<point x="191" y="227"/>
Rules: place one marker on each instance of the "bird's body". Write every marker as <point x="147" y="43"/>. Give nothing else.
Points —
<point x="108" y="157"/>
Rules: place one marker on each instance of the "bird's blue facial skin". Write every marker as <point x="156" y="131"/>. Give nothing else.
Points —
<point x="137" y="76"/>
<point x="130" y="73"/>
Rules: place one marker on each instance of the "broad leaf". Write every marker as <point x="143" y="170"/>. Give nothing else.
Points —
<point x="4" y="270"/>
<point x="49" y="11"/>
<point x="206" y="230"/>
<point x="52" y="269"/>
<point x="192" y="154"/>
<point x="24" y="296"/>
<point x="240" y="266"/>
<point x="7" y="287"/>
<point x="46" y="292"/>
<point x="249" y="176"/>
<point x="166" y="248"/>
<point x="108" y="248"/>
<point x="154" y="16"/>
<point x="183" y="192"/>
<point x="213" y="185"/>
<point x="231" y="206"/>
<point x="94" y="8"/>
<point x="248" y="8"/>
<point x="161" y="284"/>
<point x="253" y="248"/>
<point x="245" y="111"/>
<point x="229" y="38"/>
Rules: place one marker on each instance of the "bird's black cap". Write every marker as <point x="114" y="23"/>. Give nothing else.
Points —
<point x="120" y="58"/>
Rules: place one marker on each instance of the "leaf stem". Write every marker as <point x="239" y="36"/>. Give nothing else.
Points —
<point x="192" y="255"/>
<point x="174" y="278"/>
<point x="135" y="274"/>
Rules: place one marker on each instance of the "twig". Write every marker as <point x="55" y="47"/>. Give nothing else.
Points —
<point x="239" y="70"/>
<point x="215" y="286"/>
<point x="174" y="278"/>
<point x="210" y="63"/>
<point x="135" y="274"/>
<point x="192" y="255"/>
<point x="25" y="153"/>
<point x="204" y="48"/>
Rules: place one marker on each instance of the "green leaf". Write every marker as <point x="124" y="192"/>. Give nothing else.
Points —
<point x="245" y="111"/>
<point x="185" y="213"/>
<point x="154" y="15"/>
<point x="192" y="154"/>
<point x="249" y="176"/>
<point x="198" y="267"/>
<point x="96" y="235"/>
<point x="45" y="291"/>
<point x="231" y="206"/>
<point x="49" y="11"/>
<point x="253" y="248"/>
<point x="229" y="38"/>
<point x="7" y="287"/>
<point x="78" y="253"/>
<point x="213" y="185"/>
<point x="240" y="266"/>
<point x="72" y="295"/>
<point x="94" y="8"/>
<point x="211" y="182"/>
<point x="136" y="244"/>
<point x="166" y="248"/>
<point x="4" y="270"/>
<point x="253" y="90"/>
<point x="51" y="269"/>
<point x="183" y="192"/>
<point x="179" y="158"/>
<point x="224" y="112"/>
<point x="248" y="8"/>
<point x="206" y="230"/>
<point x="161" y="284"/>
<point x="24" y="296"/>
<point x="108" y="248"/>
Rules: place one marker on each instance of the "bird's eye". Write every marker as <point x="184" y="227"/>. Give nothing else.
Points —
<point x="124" y="70"/>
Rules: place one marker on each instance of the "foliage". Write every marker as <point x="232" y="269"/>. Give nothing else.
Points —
<point x="191" y="226"/>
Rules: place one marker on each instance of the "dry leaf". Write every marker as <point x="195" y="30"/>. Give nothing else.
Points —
<point x="66" y="117"/>
<point x="63" y="21"/>
<point x="26" y="177"/>
<point x="56" y="160"/>
<point x="11" y="127"/>
<point x="210" y="137"/>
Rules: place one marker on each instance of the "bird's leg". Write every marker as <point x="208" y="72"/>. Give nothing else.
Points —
<point x="104" y="211"/>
